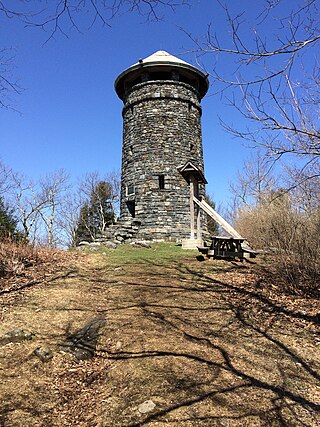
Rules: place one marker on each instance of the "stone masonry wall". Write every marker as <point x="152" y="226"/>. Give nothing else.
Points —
<point x="161" y="131"/>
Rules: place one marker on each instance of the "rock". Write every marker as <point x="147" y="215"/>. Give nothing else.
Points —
<point x="118" y="345"/>
<point x="122" y="232"/>
<point x="146" y="406"/>
<point x="110" y="245"/>
<point x="141" y="244"/>
<point x="126" y="223"/>
<point x="16" y="335"/>
<point x="43" y="353"/>
<point x="83" y="353"/>
<point x="83" y="243"/>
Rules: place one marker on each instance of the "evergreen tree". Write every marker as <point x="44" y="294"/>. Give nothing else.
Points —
<point x="8" y="223"/>
<point x="212" y="226"/>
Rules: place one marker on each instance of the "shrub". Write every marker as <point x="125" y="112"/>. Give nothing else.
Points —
<point x="292" y="235"/>
<point x="15" y="257"/>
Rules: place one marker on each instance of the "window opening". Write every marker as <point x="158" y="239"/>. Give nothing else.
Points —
<point x="161" y="182"/>
<point x="130" y="189"/>
<point x="132" y="208"/>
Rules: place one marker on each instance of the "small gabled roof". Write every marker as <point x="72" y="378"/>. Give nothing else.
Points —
<point x="190" y="169"/>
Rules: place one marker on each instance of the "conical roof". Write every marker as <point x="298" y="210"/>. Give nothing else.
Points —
<point x="163" y="56"/>
<point x="161" y="61"/>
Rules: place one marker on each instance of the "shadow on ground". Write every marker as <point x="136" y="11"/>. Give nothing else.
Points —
<point x="204" y="342"/>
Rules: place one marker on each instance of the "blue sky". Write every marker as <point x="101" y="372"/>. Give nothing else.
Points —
<point x="70" y="114"/>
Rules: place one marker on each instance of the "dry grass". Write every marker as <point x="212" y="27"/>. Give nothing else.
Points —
<point x="293" y="236"/>
<point x="24" y="267"/>
<point x="209" y="343"/>
<point x="21" y="260"/>
<point x="15" y="257"/>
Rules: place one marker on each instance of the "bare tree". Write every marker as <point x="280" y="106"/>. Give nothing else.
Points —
<point x="53" y="186"/>
<point x="270" y="74"/>
<point x="8" y="83"/>
<point x="304" y="188"/>
<point x="29" y="202"/>
<point x="254" y="182"/>
<point x="38" y="204"/>
<point x="6" y="178"/>
<point x="59" y="17"/>
<point x="114" y="180"/>
<point x="68" y="218"/>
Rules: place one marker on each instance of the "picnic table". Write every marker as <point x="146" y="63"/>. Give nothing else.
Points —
<point x="226" y="247"/>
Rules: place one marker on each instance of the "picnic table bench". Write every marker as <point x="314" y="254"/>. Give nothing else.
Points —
<point x="227" y="247"/>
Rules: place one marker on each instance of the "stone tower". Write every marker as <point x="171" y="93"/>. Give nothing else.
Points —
<point x="162" y="158"/>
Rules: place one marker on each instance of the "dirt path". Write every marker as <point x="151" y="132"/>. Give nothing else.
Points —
<point x="185" y="344"/>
